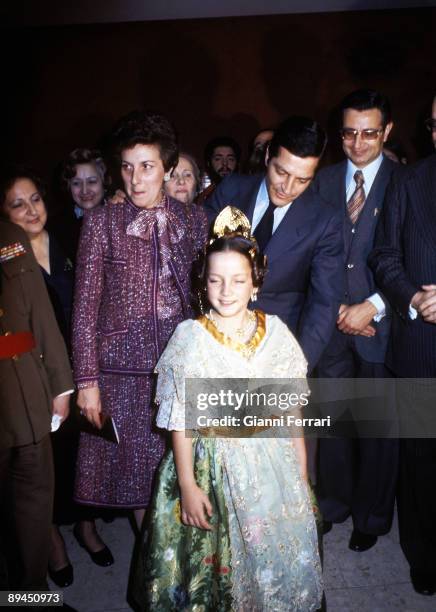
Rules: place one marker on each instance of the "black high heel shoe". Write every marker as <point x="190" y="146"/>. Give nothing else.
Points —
<point x="63" y="577"/>
<point x="102" y="557"/>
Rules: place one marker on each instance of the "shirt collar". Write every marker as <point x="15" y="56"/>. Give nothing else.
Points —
<point x="369" y="172"/>
<point x="79" y="212"/>
<point x="262" y="194"/>
<point x="262" y="202"/>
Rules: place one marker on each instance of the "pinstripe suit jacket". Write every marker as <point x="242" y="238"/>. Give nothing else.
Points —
<point x="404" y="259"/>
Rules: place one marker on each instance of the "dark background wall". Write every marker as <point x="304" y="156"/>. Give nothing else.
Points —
<point x="65" y="86"/>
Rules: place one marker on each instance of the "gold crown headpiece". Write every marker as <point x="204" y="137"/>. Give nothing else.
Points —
<point x="232" y="221"/>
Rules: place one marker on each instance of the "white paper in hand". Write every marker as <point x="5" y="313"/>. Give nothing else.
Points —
<point x="56" y="421"/>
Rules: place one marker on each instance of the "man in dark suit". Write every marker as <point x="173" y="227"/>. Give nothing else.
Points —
<point x="35" y="380"/>
<point x="404" y="263"/>
<point x="297" y="230"/>
<point x="357" y="475"/>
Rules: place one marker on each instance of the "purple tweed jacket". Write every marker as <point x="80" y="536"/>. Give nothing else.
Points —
<point x="132" y="285"/>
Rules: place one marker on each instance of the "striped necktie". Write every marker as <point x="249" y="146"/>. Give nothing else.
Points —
<point x="357" y="201"/>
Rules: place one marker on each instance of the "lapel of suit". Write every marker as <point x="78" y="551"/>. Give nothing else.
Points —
<point x="299" y="215"/>
<point x="422" y="195"/>
<point x="376" y="195"/>
<point x="338" y="182"/>
<point x="337" y="195"/>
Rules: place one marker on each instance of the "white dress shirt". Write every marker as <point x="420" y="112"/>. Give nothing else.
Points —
<point x="369" y="173"/>
<point x="262" y="203"/>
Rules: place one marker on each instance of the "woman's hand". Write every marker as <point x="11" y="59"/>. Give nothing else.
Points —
<point x="195" y="505"/>
<point x="89" y="403"/>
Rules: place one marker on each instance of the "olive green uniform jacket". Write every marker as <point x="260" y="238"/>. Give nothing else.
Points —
<point x="30" y="381"/>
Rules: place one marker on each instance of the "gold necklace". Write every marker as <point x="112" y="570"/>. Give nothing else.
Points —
<point x="246" y="331"/>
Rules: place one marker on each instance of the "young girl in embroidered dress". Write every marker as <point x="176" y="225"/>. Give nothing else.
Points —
<point x="231" y="525"/>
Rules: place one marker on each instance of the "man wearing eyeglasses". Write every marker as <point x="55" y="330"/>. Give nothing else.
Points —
<point x="357" y="475"/>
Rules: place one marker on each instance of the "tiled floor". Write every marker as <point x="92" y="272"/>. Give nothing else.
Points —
<point x="373" y="581"/>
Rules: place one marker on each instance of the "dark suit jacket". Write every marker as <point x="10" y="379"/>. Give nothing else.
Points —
<point x="303" y="285"/>
<point x="30" y="382"/>
<point x="403" y="260"/>
<point x="359" y="282"/>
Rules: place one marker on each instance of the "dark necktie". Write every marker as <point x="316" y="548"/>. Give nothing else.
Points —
<point x="357" y="201"/>
<point x="264" y="228"/>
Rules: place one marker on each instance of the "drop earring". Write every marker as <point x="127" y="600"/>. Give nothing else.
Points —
<point x="200" y="302"/>
<point x="167" y="177"/>
<point x="254" y="295"/>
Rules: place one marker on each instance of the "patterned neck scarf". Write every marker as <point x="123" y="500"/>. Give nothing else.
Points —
<point x="161" y="226"/>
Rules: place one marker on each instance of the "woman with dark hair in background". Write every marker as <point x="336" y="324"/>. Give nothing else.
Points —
<point x="22" y="196"/>
<point x="133" y="288"/>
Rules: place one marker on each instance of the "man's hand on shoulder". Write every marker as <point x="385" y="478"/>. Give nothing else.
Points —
<point x="118" y="197"/>
<point x="356" y="319"/>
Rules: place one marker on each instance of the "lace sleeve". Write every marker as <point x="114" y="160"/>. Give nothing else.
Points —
<point x="175" y="363"/>
<point x="170" y="395"/>
<point x="288" y="358"/>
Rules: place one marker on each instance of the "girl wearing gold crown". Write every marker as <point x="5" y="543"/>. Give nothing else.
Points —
<point x="231" y="524"/>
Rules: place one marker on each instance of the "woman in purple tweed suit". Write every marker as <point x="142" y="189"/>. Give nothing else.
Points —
<point x="133" y="288"/>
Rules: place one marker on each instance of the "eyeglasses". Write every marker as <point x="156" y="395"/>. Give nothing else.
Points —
<point x="368" y="134"/>
<point x="185" y="175"/>
<point x="430" y="124"/>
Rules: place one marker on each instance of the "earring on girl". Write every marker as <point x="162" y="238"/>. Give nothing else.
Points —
<point x="167" y="177"/>
<point x="200" y="302"/>
<point x="254" y="295"/>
